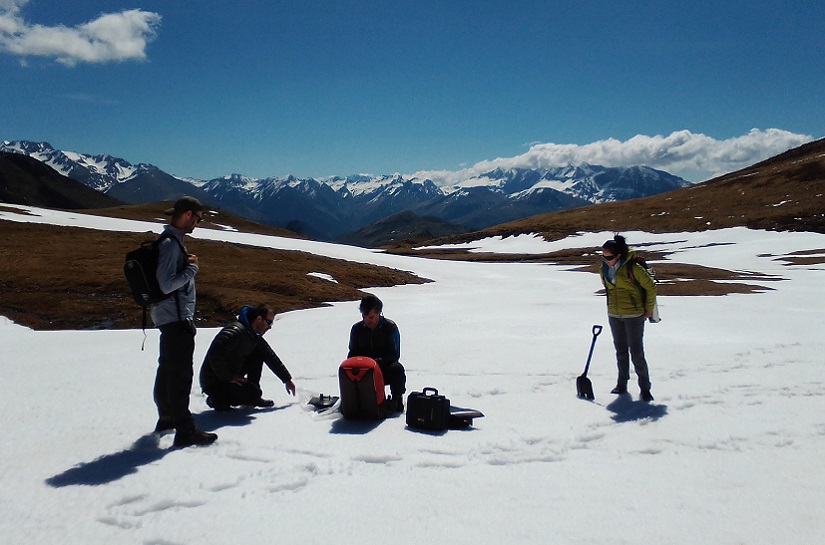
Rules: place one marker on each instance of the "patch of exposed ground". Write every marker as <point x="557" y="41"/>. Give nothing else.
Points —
<point x="807" y="257"/>
<point x="671" y="278"/>
<point x="71" y="278"/>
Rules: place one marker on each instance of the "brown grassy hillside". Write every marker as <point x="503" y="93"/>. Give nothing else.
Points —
<point x="72" y="278"/>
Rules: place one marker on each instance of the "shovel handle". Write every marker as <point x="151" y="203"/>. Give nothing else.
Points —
<point x="596" y="330"/>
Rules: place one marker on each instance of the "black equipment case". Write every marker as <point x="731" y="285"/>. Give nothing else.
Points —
<point x="428" y="410"/>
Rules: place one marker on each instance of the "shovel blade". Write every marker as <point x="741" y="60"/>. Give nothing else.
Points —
<point x="584" y="388"/>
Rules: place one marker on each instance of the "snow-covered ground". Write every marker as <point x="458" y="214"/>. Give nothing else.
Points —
<point x="729" y="453"/>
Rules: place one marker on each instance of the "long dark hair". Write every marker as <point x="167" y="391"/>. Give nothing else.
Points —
<point x="617" y="245"/>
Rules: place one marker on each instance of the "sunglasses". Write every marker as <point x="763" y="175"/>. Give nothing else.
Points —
<point x="268" y="322"/>
<point x="609" y="257"/>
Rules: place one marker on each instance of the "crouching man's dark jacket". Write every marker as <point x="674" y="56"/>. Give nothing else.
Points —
<point x="235" y="351"/>
<point x="383" y="344"/>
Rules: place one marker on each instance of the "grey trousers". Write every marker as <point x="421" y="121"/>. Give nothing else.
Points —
<point x="628" y="340"/>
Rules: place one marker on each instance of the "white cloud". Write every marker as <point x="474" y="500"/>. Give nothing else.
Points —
<point x="111" y="37"/>
<point x="695" y="157"/>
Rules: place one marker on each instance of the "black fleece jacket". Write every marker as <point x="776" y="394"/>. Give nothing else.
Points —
<point x="383" y="344"/>
<point x="231" y="351"/>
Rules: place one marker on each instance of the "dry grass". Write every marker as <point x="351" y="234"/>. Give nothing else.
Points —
<point x="72" y="278"/>
<point x="672" y="278"/>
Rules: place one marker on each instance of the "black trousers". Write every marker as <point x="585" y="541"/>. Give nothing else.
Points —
<point x="228" y="393"/>
<point x="396" y="377"/>
<point x="173" y="381"/>
<point x="231" y="394"/>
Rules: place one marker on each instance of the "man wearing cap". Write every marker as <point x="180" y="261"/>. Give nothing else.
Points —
<point x="174" y="316"/>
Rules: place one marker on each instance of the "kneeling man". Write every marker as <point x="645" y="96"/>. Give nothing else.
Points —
<point x="231" y="371"/>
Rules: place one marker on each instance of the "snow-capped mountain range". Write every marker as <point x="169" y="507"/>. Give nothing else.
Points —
<point x="329" y="208"/>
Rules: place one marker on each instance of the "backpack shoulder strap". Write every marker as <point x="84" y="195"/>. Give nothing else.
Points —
<point x="629" y="266"/>
<point x="167" y="234"/>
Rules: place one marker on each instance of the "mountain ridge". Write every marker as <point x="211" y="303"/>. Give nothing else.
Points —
<point x="25" y="180"/>
<point x="330" y="208"/>
<point x="783" y="193"/>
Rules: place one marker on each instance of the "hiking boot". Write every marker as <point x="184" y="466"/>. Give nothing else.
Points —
<point x="264" y="403"/>
<point x="218" y="406"/>
<point x="619" y="389"/>
<point x="165" y="425"/>
<point x="646" y="395"/>
<point x="395" y="404"/>
<point x="195" y="437"/>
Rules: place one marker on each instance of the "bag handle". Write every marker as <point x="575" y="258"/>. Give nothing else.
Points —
<point x="432" y="391"/>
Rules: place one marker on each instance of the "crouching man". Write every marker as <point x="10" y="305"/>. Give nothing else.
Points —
<point x="378" y="338"/>
<point x="231" y="371"/>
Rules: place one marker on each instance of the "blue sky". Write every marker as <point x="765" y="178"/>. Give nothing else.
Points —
<point x="321" y="88"/>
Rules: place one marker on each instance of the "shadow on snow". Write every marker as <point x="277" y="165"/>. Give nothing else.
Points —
<point x="353" y="427"/>
<point x="625" y="409"/>
<point x="145" y="450"/>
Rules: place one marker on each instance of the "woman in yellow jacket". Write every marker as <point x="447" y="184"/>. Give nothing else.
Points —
<point x="631" y="295"/>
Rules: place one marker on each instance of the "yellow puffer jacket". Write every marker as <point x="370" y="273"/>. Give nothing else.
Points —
<point x="627" y="299"/>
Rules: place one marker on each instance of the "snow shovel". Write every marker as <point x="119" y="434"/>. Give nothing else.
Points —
<point x="583" y="386"/>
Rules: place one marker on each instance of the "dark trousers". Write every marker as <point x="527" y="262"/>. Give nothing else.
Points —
<point x="396" y="377"/>
<point x="628" y="340"/>
<point x="173" y="382"/>
<point x="229" y="394"/>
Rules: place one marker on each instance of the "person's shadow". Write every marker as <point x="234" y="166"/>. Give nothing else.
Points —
<point x="111" y="467"/>
<point x="145" y="450"/>
<point x="353" y="427"/>
<point x="625" y="409"/>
